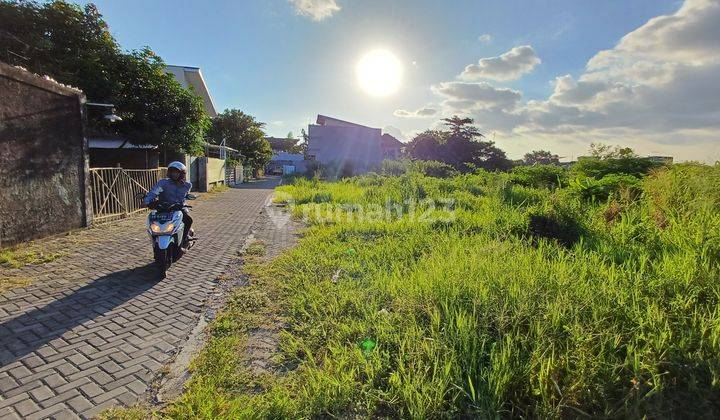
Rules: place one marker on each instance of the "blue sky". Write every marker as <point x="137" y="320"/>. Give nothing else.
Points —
<point x="271" y="60"/>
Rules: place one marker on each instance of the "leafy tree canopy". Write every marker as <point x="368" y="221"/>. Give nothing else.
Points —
<point x="541" y="157"/>
<point x="462" y="127"/>
<point x="605" y="151"/>
<point x="242" y="132"/>
<point x="288" y="144"/>
<point x="73" y="45"/>
<point x="459" y="146"/>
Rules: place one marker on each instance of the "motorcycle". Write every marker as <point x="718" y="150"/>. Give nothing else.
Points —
<point x="165" y="228"/>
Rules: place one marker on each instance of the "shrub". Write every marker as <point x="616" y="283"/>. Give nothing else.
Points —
<point x="396" y="167"/>
<point x="435" y="169"/>
<point x="597" y="168"/>
<point x="539" y="176"/>
<point x="594" y="189"/>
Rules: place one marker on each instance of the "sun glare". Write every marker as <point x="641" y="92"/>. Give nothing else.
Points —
<point x="379" y="73"/>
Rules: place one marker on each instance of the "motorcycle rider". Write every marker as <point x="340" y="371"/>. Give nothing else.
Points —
<point x="172" y="190"/>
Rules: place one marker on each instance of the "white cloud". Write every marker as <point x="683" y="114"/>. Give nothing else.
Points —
<point x="485" y="38"/>
<point x="656" y="90"/>
<point x="480" y="95"/>
<point x="418" y="113"/>
<point x="508" y="66"/>
<point x="315" y="9"/>
<point x="690" y="35"/>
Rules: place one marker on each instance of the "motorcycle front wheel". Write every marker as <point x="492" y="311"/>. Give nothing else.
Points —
<point x="163" y="259"/>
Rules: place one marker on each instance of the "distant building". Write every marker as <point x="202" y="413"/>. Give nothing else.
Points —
<point x="392" y="148"/>
<point x="335" y="142"/>
<point x="661" y="159"/>
<point x="285" y="163"/>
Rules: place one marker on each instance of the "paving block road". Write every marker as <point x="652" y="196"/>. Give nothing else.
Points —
<point x="98" y="325"/>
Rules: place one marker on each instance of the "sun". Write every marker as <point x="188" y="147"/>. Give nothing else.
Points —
<point x="379" y="73"/>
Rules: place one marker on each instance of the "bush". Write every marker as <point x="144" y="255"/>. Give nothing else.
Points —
<point x="597" y="168"/>
<point x="435" y="169"/>
<point x="594" y="189"/>
<point x="396" y="167"/>
<point x="539" y="176"/>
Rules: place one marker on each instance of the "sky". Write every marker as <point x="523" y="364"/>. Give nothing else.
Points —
<point x="533" y="74"/>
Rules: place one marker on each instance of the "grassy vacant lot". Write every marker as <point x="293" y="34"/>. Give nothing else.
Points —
<point x="523" y="301"/>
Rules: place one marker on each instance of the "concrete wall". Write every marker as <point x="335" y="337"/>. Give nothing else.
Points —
<point x="215" y="171"/>
<point x="345" y="143"/>
<point x="43" y="158"/>
<point x="211" y="173"/>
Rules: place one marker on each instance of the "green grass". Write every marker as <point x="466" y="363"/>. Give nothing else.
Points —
<point x="20" y="257"/>
<point x="529" y="302"/>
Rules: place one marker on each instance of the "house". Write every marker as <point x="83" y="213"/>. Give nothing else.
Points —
<point x="111" y="150"/>
<point x="210" y="170"/>
<point x="286" y="163"/>
<point x="192" y="78"/>
<point x="666" y="160"/>
<point x="342" y="144"/>
<point x="392" y="148"/>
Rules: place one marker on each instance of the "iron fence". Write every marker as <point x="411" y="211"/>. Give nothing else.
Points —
<point x="114" y="190"/>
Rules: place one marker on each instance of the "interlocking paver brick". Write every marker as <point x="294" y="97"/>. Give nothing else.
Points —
<point x="91" y="390"/>
<point x="26" y="407"/>
<point x="97" y="325"/>
<point x="42" y="393"/>
<point x="79" y="404"/>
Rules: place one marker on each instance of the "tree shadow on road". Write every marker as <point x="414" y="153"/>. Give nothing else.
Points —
<point x="28" y="332"/>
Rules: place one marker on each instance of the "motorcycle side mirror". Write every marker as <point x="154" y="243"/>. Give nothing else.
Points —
<point x="191" y="197"/>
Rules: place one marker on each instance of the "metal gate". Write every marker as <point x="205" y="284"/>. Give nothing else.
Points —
<point x="114" y="190"/>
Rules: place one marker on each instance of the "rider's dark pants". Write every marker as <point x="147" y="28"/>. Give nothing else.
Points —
<point x="187" y="221"/>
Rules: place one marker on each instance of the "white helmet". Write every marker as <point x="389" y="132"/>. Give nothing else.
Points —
<point x="177" y="165"/>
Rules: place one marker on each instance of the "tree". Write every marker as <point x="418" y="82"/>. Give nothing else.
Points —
<point x="155" y="108"/>
<point x="605" y="151"/>
<point x="73" y="45"/>
<point x="242" y="132"/>
<point x="541" y="157"/>
<point x="462" y="127"/>
<point x="426" y="145"/>
<point x="459" y="146"/>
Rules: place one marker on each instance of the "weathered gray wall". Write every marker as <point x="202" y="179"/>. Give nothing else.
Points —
<point x="43" y="158"/>
<point x="341" y="144"/>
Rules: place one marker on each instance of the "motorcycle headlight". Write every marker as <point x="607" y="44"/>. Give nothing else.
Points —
<point x="156" y="228"/>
